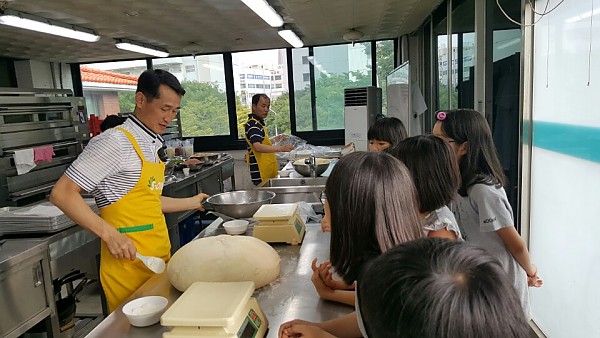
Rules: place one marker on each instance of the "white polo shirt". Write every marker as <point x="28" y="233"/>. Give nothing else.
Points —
<point x="109" y="167"/>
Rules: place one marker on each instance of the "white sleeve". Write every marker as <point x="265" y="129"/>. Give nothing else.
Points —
<point x="492" y="206"/>
<point x="99" y="159"/>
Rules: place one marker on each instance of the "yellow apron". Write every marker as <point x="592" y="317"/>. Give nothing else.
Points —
<point x="267" y="162"/>
<point x="139" y="215"/>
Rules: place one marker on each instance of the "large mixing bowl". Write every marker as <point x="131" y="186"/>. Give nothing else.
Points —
<point x="304" y="169"/>
<point x="240" y="204"/>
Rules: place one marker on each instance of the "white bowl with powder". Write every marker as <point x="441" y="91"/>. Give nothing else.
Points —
<point x="145" y="311"/>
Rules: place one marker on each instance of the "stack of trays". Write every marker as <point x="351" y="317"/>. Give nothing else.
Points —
<point x="42" y="217"/>
<point x="279" y="223"/>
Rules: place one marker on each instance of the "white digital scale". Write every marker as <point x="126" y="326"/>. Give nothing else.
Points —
<point x="279" y="223"/>
<point x="216" y="309"/>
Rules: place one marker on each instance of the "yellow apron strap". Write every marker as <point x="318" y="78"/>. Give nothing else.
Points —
<point x="134" y="143"/>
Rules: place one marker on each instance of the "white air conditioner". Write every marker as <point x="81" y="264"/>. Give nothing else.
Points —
<point x="361" y="107"/>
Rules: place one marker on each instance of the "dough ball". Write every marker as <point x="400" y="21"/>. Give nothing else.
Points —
<point x="223" y="258"/>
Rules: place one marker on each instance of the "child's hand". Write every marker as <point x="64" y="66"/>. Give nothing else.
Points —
<point x="325" y="225"/>
<point x="534" y="280"/>
<point x="306" y="331"/>
<point x="326" y="276"/>
<point x="285" y="327"/>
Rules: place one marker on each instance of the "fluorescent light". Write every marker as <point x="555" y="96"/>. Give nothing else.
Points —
<point x="142" y="48"/>
<point x="291" y="37"/>
<point x="265" y="11"/>
<point x="43" y="25"/>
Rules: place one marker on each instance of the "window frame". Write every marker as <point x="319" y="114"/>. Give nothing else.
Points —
<point x="231" y="141"/>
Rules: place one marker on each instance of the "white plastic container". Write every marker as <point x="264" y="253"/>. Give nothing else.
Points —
<point x="145" y="311"/>
<point x="236" y="227"/>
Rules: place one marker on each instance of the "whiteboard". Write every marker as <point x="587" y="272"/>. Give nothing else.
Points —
<point x="565" y="177"/>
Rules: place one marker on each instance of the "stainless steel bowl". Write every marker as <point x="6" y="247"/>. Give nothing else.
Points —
<point x="304" y="170"/>
<point x="240" y="204"/>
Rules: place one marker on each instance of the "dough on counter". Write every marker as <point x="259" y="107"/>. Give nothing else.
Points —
<point x="224" y="258"/>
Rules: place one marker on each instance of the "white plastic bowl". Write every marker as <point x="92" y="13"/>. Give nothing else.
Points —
<point x="285" y="173"/>
<point x="236" y="227"/>
<point x="145" y="311"/>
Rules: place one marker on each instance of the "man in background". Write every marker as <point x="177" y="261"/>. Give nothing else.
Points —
<point x="260" y="158"/>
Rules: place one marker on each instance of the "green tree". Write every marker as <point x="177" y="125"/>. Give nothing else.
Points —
<point x="242" y="113"/>
<point x="385" y="65"/>
<point x="126" y="101"/>
<point x="203" y="110"/>
<point x="279" y="117"/>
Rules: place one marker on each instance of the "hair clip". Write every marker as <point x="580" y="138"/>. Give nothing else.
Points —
<point x="441" y="116"/>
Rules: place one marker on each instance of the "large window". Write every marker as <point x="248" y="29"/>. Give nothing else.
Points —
<point x="337" y="68"/>
<point x="204" y="106"/>
<point x="109" y="87"/>
<point x="331" y="69"/>
<point x="265" y="72"/>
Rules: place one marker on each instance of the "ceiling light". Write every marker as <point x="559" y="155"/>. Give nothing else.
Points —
<point x="43" y="25"/>
<point x="142" y="48"/>
<point x="265" y="11"/>
<point x="353" y="35"/>
<point x="291" y="37"/>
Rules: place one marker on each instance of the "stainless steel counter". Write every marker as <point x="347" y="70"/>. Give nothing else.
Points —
<point x="291" y="296"/>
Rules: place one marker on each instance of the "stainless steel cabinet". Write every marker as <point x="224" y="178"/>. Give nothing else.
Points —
<point x="25" y="288"/>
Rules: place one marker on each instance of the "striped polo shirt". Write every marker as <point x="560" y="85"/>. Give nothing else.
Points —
<point x="254" y="133"/>
<point x="109" y="167"/>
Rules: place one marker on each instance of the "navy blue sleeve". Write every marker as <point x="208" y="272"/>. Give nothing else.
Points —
<point x="254" y="132"/>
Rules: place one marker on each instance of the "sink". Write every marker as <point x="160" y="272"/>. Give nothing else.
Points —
<point x="295" y="182"/>
<point x="291" y="190"/>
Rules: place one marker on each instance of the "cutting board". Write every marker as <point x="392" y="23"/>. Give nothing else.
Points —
<point x="209" y="304"/>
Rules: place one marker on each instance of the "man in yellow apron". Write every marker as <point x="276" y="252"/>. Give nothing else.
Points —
<point x="122" y="170"/>
<point x="260" y="157"/>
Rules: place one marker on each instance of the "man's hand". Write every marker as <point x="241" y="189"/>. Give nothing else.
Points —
<point x="198" y="200"/>
<point x="119" y="245"/>
<point x="286" y="148"/>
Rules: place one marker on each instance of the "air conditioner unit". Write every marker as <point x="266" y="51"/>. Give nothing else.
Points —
<point x="361" y="107"/>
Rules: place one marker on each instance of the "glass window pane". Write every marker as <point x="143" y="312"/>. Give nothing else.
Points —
<point x="385" y="65"/>
<point x="337" y="68"/>
<point x="264" y="72"/>
<point x="109" y="87"/>
<point x="302" y="100"/>
<point x="204" y="106"/>
<point x="463" y="61"/>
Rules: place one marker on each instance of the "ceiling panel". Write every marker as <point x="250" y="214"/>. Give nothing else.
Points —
<point x="215" y="25"/>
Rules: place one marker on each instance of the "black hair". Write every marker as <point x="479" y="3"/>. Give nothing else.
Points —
<point x="436" y="287"/>
<point x="481" y="163"/>
<point x="111" y="121"/>
<point x="150" y="80"/>
<point x="256" y="98"/>
<point x="388" y="129"/>
<point x="433" y="167"/>
<point x="373" y="208"/>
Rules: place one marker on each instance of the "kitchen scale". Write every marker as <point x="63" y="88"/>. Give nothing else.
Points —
<point x="279" y="223"/>
<point x="216" y="309"/>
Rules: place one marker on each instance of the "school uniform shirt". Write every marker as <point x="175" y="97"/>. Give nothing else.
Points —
<point x="254" y="133"/>
<point x="480" y="214"/>
<point x="109" y="167"/>
<point x="441" y="218"/>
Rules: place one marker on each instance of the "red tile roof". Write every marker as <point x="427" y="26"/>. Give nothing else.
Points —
<point x="104" y="76"/>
